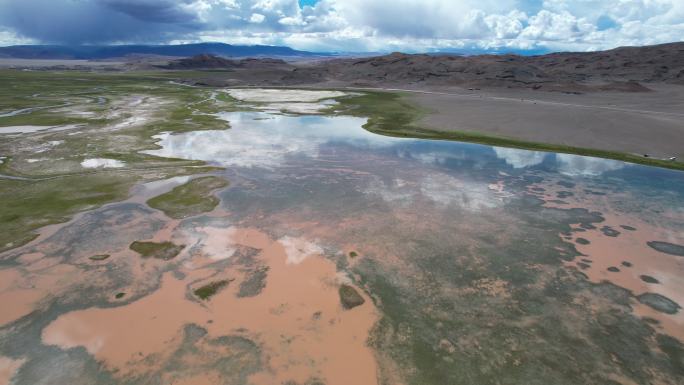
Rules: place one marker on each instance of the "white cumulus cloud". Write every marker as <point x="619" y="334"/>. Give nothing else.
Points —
<point x="257" y="18"/>
<point x="350" y="25"/>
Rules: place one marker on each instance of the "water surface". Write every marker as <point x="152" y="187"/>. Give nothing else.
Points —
<point x="476" y="263"/>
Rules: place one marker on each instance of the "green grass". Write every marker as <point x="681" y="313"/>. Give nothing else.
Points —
<point x="191" y="111"/>
<point x="192" y="198"/>
<point x="99" y="257"/>
<point x="59" y="188"/>
<point x="158" y="250"/>
<point x="28" y="205"/>
<point x="208" y="290"/>
<point x="385" y="111"/>
<point x="31" y="204"/>
<point x="391" y="114"/>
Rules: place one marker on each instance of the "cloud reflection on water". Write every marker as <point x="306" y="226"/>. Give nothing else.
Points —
<point x="258" y="139"/>
<point x="520" y="158"/>
<point x="575" y="165"/>
<point x="266" y="140"/>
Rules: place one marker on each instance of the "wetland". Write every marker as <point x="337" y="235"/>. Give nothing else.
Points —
<point x="156" y="233"/>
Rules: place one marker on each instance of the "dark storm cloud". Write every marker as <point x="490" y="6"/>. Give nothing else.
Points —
<point x="98" y="21"/>
<point x="153" y="10"/>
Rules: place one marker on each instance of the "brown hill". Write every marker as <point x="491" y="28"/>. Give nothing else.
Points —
<point x="625" y="69"/>
<point x="208" y="61"/>
<point x="620" y="69"/>
<point x="203" y="61"/>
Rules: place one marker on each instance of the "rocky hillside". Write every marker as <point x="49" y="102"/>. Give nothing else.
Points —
<point x="621" y="69"/>
<point x="207" y="61"/>
<point x="203" y="61"/>
<point x="625" y="69"/>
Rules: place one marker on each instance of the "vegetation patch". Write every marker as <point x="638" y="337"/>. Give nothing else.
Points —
<point x="230" y="359"/>
<point x="349" y="297"/>
<point x="311" y="381"/>
<point x="192" y="198"/>
<point x="254" y="282"/>
<point x="609" y="231"/>
<point x="99" y="257"/>
<point x="659" y="302"/>
<point x="353" y="254"/>
<point x="386" y="112"/>
<point x="208" y="290"/>
<point x="56" y="187"/>
<point x="648" y="279"/>
<point x="162" y="250"/>
<point x="28" y="204"/>
<point x="674" y="350"/>
<point x="667" y="248"/>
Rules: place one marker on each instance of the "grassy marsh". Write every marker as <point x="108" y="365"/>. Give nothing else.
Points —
<point x="159" y="250"/>
<point x="116" y="115"/>
<point x="99" y="257"/>
<point x="29" y="205"/>
<point x="210" y="289"/>
<point x="192" y="198"/>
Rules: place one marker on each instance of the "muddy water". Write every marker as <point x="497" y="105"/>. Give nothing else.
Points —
<point x="299" y="305"/>
<point x="317" y="201"/>
<point x="617" y="251"/>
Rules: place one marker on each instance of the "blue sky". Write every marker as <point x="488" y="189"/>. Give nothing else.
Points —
<point x="310" y="3"/>
<point x="349" y="25"/>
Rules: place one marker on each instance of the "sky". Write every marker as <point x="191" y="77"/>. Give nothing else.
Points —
<point x="349" y="25"/>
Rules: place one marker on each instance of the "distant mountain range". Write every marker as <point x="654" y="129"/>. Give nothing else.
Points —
<point x="624" y="69"/>
<point x="619" y="69"/>
<point x="208" y="61"/>
<point x="98" y="52"/>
